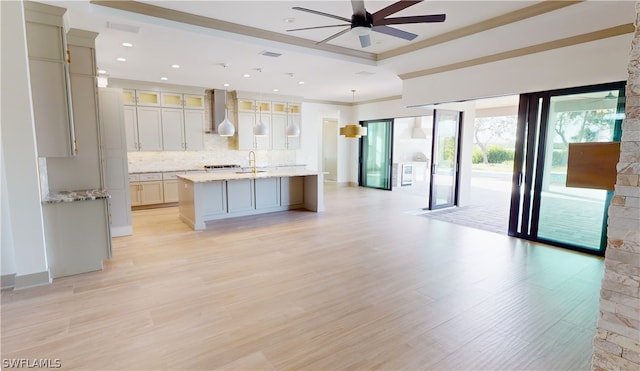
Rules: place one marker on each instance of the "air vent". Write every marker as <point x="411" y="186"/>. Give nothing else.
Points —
<point x="365" y="73"/>
<point x="267" y="53"/>
<point x="123" y="27"/>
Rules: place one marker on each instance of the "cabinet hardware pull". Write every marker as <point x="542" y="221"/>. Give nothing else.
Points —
<point x="68" y="56"/>
<point x="75" y="145"/>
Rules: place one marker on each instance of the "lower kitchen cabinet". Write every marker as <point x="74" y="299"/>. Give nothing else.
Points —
<point x="267" y="192"/>
<point x="77" y="235"/>
<point x="170" y="190"/>
<point x="146" y="189"/>
<point x="240" y="195"/>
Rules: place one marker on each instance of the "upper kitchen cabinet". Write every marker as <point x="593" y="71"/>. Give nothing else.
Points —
<point x="178" y="100"/>
<point x="159" y="120"/>
<point x="49" y="60"/>
<point x="251" y="113"/>
<point x="148" y="98"/>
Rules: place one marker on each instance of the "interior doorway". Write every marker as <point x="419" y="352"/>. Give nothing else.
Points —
<point x="330" y="149"/>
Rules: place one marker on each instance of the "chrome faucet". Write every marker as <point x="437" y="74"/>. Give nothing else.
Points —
<point x="252" y="161"/>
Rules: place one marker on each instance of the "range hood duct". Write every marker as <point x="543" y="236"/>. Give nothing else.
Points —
<point x="216" y="106"/>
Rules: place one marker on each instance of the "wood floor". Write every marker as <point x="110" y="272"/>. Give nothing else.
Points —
<point x="364" y="285"/>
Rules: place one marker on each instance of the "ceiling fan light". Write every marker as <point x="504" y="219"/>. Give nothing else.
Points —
<point x="360" y="30"/>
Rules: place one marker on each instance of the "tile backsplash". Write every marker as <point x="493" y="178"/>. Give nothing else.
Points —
<point x="220" y="151"/>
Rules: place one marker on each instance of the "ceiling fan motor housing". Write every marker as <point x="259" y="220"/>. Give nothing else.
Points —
<point x="358" y="20"/>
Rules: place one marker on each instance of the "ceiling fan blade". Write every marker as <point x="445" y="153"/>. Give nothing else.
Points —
<point x="313" y="28"/>
<point x="321" y="13"/>
<point x="358" y="7"/>
<point x="365" y="40"/>
<point x="393" y="8"/>
<point x="394" y="32"/>
<point x="334" y="36"/>
<point x="433" y="18"/>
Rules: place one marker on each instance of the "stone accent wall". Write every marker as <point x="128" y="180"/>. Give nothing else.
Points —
<point x="617" y="341"/>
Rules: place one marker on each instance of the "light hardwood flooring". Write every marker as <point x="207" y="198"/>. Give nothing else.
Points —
<point x="364" y="285"/>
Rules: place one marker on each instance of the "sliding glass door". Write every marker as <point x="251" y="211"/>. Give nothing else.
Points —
<point x="543" y="208"/>
<point x="376" y="154"/>
<point x="444" y="155"/>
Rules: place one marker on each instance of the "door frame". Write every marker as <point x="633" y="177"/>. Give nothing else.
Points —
<point x="361" y="155"/>
<point x="457" y="152"/>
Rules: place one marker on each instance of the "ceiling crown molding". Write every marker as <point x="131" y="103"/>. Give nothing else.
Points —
<point x="216" y="24"/>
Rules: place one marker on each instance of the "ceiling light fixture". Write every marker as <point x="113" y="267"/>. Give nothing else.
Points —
<point x="226" y="85"/>
<point x="164" y="78"/>
<point x="300" y="82"/>
<point x="226" y="127"/>
<point x="261" y="129"/>
<point x="353" y="130"/>
<point x="120" y="59"/>
<point x="276" y="90"/>
<point x="289" y="20"/>
<point x="102" y="72"/>
<point x="127" y="45"/>
<point x="246" y="75"/>
<point x="176" y="66"/>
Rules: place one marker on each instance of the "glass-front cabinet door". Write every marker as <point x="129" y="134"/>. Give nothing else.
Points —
<point x="544" y="208"/>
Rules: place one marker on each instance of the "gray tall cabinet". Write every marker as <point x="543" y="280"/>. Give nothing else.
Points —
<point x="65" y="103"/>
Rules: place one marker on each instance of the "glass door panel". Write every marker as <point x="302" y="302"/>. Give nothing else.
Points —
<point x="574" y="215"/>
<point x="375" y="155"/>
<point x="444" y="155"/>
<point x="543" y="208"/>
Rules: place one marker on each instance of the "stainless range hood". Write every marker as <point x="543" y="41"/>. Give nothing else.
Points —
<point x="215" y="99"/>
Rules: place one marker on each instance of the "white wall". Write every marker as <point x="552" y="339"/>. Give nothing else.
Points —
<point x="310" y="152"/>
<point x="23" y="208"/>
<point x="594" y="62"/>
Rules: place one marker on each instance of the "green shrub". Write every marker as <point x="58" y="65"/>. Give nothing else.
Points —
<point x="476" y="158"/>
<point x="498" y="155"/>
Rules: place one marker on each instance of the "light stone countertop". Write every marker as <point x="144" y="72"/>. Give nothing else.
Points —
<point x="73" y="196"/>
<point x="212" y="177"/>
<point x="202" y="168"/>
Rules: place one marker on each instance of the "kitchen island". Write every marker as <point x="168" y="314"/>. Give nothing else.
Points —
<point x="213" y="196"/>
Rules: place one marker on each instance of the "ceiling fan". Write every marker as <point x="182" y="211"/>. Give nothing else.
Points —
<point x="362" y="21"/>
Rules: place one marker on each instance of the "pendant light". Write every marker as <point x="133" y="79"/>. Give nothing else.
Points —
<point x="226" y="128"/>
<point x="261" y="129"/>
<point x="352" y="130"/>
<point x="293" y="130"/>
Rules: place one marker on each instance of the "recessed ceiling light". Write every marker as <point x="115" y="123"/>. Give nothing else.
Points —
<point x="289" y="20"/>
<point x="246" y="75"/>
<point x="225" y="85"/>
<point x="300" y="82"/>
<point x="127" y="45"/>
<point x="102" y="72"/>
<point x="120" y="59"/>
<point x="164" y="78"/>
<point x="276" y="90"/>
<point x="175" y="66"/>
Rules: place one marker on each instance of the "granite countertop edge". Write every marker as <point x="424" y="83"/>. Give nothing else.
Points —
<point x="74" y="196"/>
<point x="212" y="177"/>
<point x="202" y="168"/>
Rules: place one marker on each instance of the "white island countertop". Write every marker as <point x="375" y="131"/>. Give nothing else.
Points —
<point x="212" y="177"/>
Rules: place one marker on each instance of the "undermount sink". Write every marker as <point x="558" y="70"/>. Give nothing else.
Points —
<point x="249" y="171"/>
